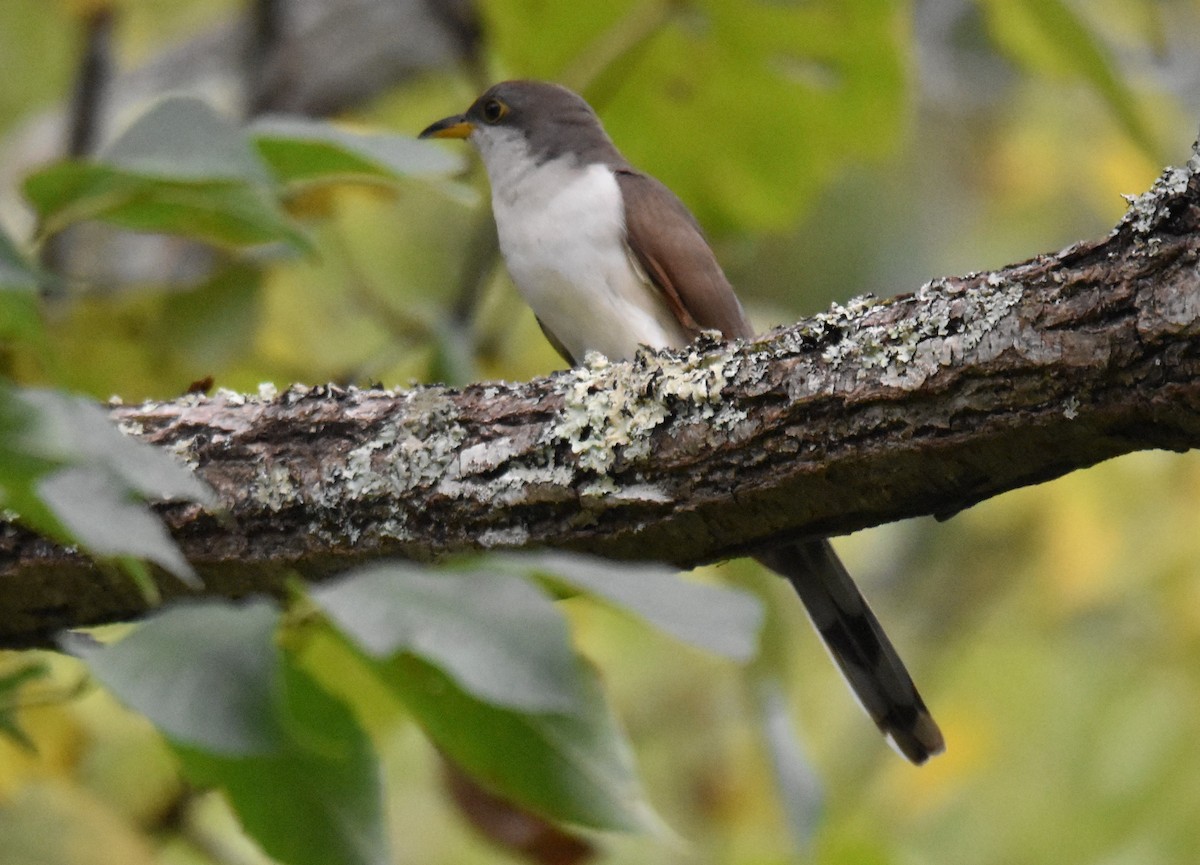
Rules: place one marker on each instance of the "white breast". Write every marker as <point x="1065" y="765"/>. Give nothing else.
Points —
<point x="562" y="233"/>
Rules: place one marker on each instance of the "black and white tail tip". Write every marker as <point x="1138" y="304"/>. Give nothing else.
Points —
<point x="856" y="642"/>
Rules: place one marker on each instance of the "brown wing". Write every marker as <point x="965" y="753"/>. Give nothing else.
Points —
<point x="671" y="248"/>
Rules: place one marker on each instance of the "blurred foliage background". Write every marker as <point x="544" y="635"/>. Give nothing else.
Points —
<point x="832" y="148"/>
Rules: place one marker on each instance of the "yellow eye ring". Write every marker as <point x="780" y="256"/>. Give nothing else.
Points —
<point x="494" y="110"/>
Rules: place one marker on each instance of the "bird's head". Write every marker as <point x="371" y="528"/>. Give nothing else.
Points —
<point x="545" y="120"/>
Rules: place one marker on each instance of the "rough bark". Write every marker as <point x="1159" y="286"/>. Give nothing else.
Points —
<point x="883" y="409"/>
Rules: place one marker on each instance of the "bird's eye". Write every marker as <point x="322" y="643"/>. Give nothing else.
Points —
<point x="493" y="110"/>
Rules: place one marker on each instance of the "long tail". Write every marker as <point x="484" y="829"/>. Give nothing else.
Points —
<point x="858" y="645"/>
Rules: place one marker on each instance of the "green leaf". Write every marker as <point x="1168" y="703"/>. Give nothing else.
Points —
<point x="495" y="634"/>
<point x="96" y="511"/>
<point x="17" y="273"/>
<point x="73" y="430"/>
<point x="723" y="620"/>
<point x="25" y="673"/>
<point x="1049" y="36"/>
<point x="296" y="766"/>
<point x="317" y="798"/>
<point x="10" y="704"/>
<point x="183" y="138"/>
<point x="203" y="673"/>
<point x="20" y="470"/>
<point x="179" y="169"/>
<point x="745" y="110"/>
<point x="575" y="768"/>
<point x="223" y="212"/>
<point x="20" y="282"/>
<point x="304" y="151"/>
<point x="484" y="662"/>
<point x="68" y="472"/>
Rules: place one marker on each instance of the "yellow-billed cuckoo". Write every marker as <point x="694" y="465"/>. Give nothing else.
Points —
<point x="611" y="260"/>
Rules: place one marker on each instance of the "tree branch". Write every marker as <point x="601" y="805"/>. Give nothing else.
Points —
<point x="884" y="409"/>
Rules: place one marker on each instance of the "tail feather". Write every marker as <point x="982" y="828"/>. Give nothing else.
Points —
<point x="858" y="645"/>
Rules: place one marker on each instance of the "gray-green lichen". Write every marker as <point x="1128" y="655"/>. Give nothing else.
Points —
<point x="611" y="408"/>
<point x="904" y="350"/>
<point x="1148" y="209"/>
<point x="274" y="487"/>
<point x="608" y="409"/>
<point x="409" y="453"/>
<point x="184" y="449"/>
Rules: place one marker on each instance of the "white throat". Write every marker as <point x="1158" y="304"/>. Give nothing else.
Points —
<point x="562" y="233"/>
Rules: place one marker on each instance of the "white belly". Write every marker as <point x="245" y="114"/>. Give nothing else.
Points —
<point x="562" y="234"/>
